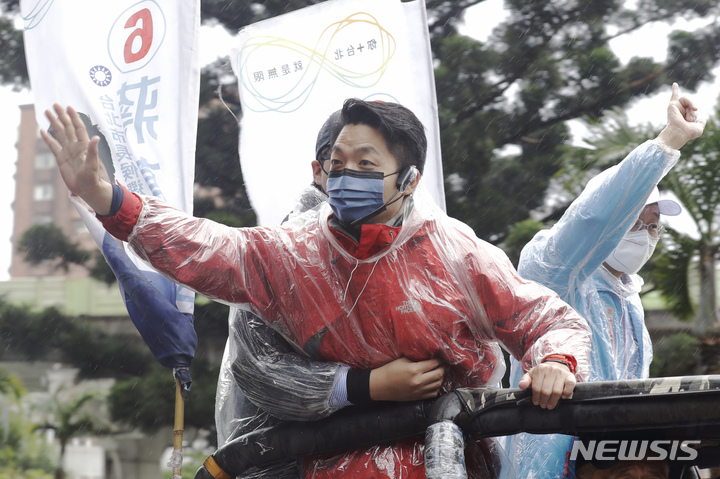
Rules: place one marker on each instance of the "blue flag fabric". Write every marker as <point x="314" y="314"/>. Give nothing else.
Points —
<point x="150" y="299"/>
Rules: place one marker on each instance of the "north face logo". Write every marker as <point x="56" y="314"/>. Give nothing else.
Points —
<point x="410" y="306"/>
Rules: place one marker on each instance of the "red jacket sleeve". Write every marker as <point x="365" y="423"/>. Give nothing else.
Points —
<point x="530" y="320"/>
<point x="121" y="224"/>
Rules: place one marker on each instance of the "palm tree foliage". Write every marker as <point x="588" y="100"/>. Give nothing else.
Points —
<point x="696" y="182"/>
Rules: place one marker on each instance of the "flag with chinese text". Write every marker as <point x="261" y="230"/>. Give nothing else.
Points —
<point x="296" y="69"/>
<point x="131" y="69"/>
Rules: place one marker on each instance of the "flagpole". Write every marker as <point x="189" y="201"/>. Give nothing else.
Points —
<point x="178" y="430"/>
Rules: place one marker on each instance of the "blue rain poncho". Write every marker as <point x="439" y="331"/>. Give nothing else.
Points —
<point x="568" y="259"/>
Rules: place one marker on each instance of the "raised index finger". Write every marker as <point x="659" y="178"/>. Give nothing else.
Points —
<point x="675" y="92"/>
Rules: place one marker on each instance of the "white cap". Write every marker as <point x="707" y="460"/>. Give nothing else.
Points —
<point x="667" y="207"/>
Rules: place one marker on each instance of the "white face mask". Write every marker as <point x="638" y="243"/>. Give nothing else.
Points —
<point x="632" y="253"/>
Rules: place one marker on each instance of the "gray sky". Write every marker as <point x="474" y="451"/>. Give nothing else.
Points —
<point x="650" y="40"/>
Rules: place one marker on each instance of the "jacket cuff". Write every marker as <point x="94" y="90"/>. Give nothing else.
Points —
<point x="358" y="386"/>
<point x="339" y="394"/>
<point x="565" y="359"/>
<point x="122" y="223"/>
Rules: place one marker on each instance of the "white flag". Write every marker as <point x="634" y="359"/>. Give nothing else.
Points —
<point x="296" y="69"/>
<point x="132" y="68"/>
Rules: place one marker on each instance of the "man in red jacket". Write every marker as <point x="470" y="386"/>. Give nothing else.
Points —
<point x="385" y="273"/>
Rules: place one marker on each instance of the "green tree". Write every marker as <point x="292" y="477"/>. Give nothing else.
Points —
<point x="47" y="242"/>
<point x="70" y="416"/>
<point x="518" y="237"/>
<point x="676" y="355"/>
<point x="23" y="453"/>
<point x="13" y="69"/>
<point x="144" y="393"/>
<point x="147" y="401"/>
<point x="543" y="67"/>
<point x="24" y="330"/>
<point x="10" y="386"/>
<point x="217" y="162"/>
<point x="670" y="273"/>
<point x="694" y="180"/>
<point x="34" y="335"/>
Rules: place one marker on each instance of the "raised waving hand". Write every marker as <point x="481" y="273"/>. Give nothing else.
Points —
<point x="77" y="158"/>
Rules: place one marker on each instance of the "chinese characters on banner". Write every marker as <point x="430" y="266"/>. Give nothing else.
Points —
<point x="133" y="72"/>
<point x="297" y="66"/>
<point x="296" y="69"/>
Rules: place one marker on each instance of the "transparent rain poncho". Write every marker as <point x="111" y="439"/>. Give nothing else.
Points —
<point x="568" y="259"/>
<point x="428" y="288"/>
<point x="268" y="366"/>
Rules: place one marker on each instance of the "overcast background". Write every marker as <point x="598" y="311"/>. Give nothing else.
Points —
<point x="215" y="42"/>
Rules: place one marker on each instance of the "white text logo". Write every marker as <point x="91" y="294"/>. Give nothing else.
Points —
<point x="633" y="450"/>
<point x="410" y="306"/>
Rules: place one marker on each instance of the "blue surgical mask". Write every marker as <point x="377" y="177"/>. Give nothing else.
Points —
<point x="353" y="195"/>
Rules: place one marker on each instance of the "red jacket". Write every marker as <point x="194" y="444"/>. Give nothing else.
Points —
<point x="427" y="289"/>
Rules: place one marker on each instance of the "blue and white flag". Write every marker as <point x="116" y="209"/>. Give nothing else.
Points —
<point x="296" y="69"/>
<point x="132" y="68"/>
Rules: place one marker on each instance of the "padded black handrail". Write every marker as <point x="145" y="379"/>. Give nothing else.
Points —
<point x="682" y="408"/>
<point x="349" y="428"/>
<point x="678" y="407"/>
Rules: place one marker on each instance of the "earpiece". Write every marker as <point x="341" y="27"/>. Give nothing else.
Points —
<point x="405" y="177"/>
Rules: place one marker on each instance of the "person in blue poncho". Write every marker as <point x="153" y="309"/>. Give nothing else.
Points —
<point x="591" y="258"/>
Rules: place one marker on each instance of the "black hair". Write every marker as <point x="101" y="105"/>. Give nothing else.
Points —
<point x="327" y="135"/>
<point x="402" y="130"/>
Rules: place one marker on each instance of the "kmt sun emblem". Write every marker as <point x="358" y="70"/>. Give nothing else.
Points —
<point x="100" y="75"/>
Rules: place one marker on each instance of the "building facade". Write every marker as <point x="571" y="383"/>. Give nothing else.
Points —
<point x="41" y="197"/>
